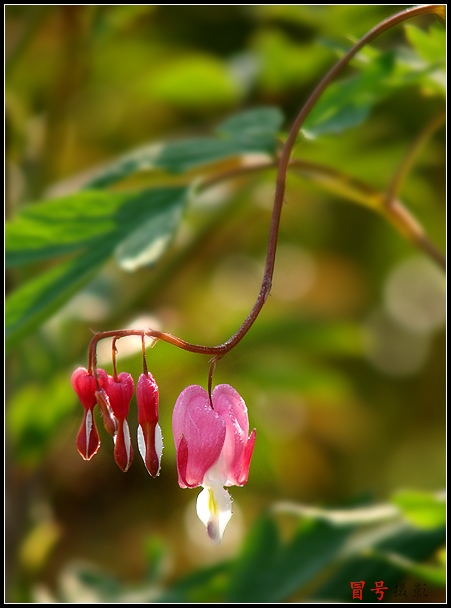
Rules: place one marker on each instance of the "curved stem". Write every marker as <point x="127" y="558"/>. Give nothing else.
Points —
<point x="283" y="165"/>
<point x="285" y="160"/>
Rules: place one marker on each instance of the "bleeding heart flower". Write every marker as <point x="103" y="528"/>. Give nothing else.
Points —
<point x="150" y="438"/>
<point x="120" y="392"/>
<point x="213" y="450"/>
<point x="85" y="385"/>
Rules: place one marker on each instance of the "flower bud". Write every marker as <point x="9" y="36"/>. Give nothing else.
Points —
<point x="120" y="393"/>
<point x="84" y="384"/>
<point x="213" y="450"/>
<point x="150" y="439"/>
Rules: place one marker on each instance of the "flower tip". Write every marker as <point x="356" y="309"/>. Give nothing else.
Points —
<point x="214" y="532"/>
<point x="214" y="509"/>
<point x="150" y="444"/>
<point x="123" y="451"/>
<point x="88" y="441"/>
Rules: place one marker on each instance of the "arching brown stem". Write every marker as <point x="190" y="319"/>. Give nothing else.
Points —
<point x="221" y="349"/>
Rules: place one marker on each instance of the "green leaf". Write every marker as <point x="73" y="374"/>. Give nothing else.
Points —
<point x="431" y="45"/>
<point x="435" y="575"/>
<point x="268" y="571"/>
<point x="257" y="126"/>
<point x="87" y="581"/>
<point x="347" y="103"/>
<point x="56" y="227"/>
<point x="203" y="585"/>
<point x="367" y="561"/>
<point x="97" y="219"/>
<point x="36" y="300"/>
<point x="422" y="509"/>
<point x="138" y="226"/>
<point x="147" y="243"/>
<point x="253" y="131"/>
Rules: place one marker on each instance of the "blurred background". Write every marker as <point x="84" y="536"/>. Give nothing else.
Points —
<point x="344" y="371"/>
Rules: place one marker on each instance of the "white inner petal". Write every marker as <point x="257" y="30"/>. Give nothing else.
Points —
<point x="127" y="442"/>
<point x="158" y="445"/>
<point x="141" y="443"/>
<point x="214" y="508"/>
<point x="88" y="429"/>
<point x="215" y="475"/>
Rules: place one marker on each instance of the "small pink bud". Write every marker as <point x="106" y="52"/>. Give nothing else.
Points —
<point x="120" y="393"/>
<point x="150" y="440"/>
<point x="85" y="384"/>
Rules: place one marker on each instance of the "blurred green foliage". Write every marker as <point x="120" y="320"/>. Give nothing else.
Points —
<point x="343" y="372"/>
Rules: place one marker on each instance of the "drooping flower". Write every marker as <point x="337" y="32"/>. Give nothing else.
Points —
<point x="213" y="450"/>
<point x="119" y="391"/>
<point x="150" y="438"/>
<point x="85" y="385"/>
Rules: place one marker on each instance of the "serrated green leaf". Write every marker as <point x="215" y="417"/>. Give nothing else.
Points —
<point x="56" y="227"/>
<point x="253" y="131"/>
<point x="140" y="225"/>
<point x="59" y="226"/>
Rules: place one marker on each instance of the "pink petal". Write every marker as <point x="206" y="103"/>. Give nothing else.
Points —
<point x="147" y="399"/>
<point x="120" y="393"/>
<point x="84" y="384"/>
<point x="228" y="403"/>
<point x="182" y="464"/>
<point x="199" y="434"/>
<point x="246" y="462"/>
<point x="149" y="432"/>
